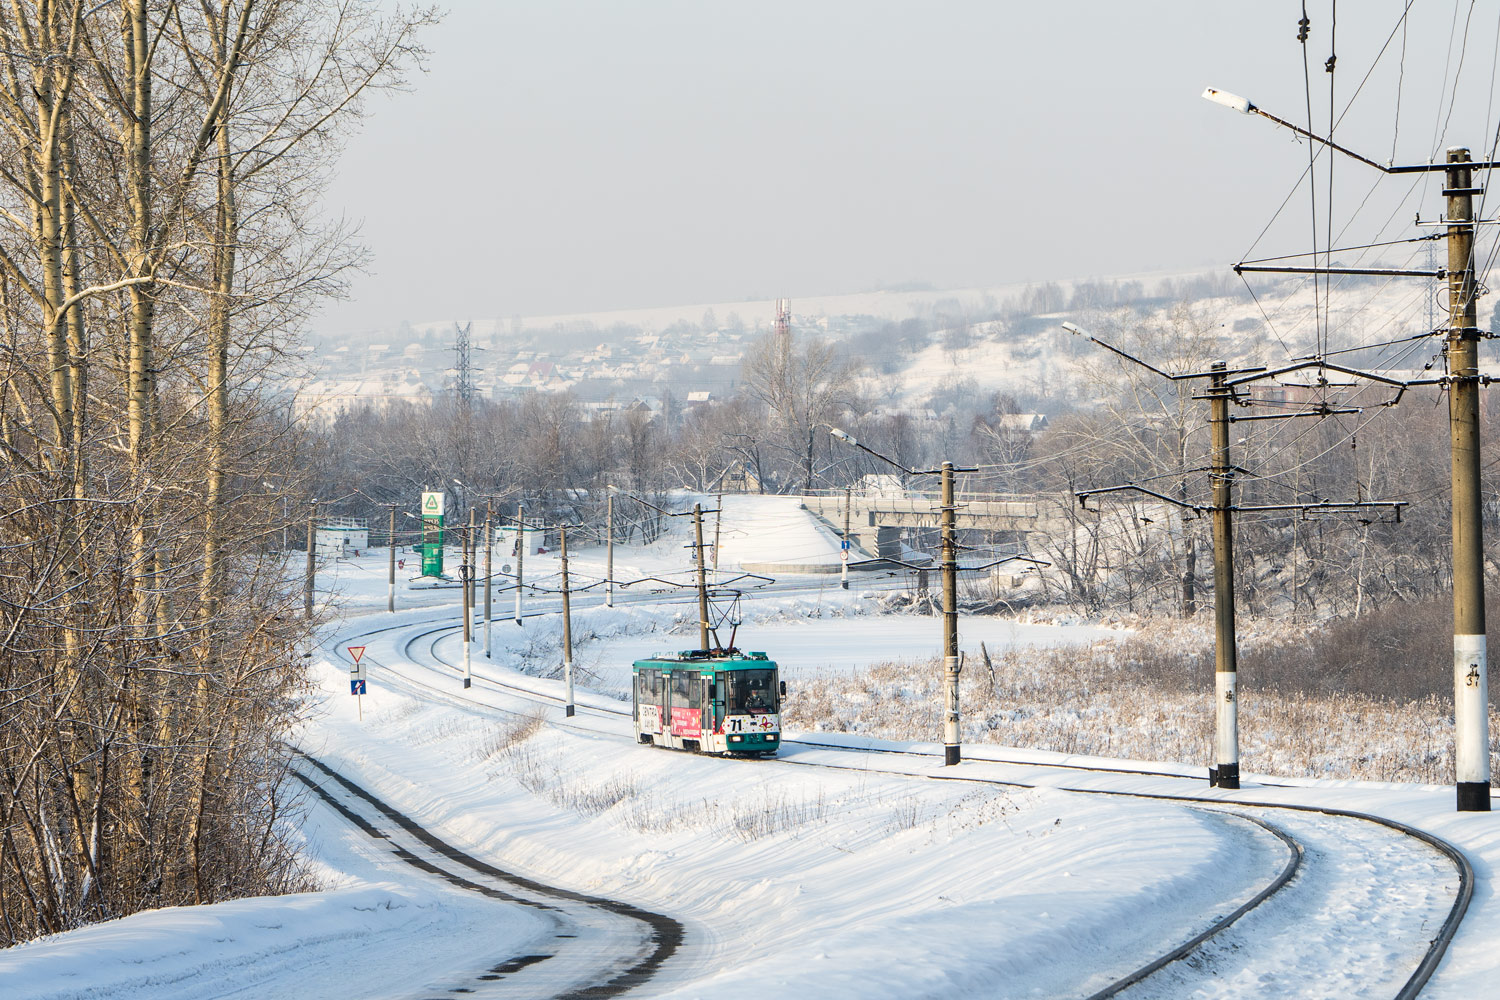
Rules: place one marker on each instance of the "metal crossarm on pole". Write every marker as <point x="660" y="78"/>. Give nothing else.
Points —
<point x="1470" y="681"/>
<point x="952" y="663"/>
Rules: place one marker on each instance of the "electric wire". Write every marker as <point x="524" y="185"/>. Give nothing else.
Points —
<point x="1400" y="77"/>
<point x="1447" y="64"/>
<point x="1457" y="74"/>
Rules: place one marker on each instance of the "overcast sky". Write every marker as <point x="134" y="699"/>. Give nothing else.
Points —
<point x="563" y="156"/>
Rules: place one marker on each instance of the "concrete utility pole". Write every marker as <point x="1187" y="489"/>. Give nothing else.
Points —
<point x="702" y="578"/>
<point x="718" y="523"/>
<point x="1470" y="661"/>
<point x="307" y="587"/>
<point x="1226" y="689"/>
<point x="473" y="548"/>
<point x="844" y="569"/>
<point x="520" y="557"/>
<point x="465" y="581"/>
<point x="1470" y="654"/>
<point x="562" y="534"/>
<point x="609" y="550"/>
<point x="390" y="573"/>
<point x="489" y="569"/>
<point x="951" y="664"/>
<point x="948" y="519"/>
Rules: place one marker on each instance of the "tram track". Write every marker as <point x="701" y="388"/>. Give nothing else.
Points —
<point x="1200" y="950"/>
<point x="598" y="947"/>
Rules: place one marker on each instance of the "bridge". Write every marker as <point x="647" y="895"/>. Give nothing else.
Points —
<point x="875" y="522"/>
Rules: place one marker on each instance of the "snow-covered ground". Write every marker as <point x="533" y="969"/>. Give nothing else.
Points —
<point x="825" y="872"/>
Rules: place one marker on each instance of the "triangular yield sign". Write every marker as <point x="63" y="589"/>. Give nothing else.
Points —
<point x="356" y="652"/>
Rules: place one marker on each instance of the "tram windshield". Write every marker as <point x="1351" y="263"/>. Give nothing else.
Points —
<point x="751" y="692"/>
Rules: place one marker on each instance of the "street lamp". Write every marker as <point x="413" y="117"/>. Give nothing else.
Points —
<point x="1471" y="687"/>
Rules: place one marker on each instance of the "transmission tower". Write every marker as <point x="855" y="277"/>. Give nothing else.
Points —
<point x="783" y="320"/>
<point x="463" y="395"/>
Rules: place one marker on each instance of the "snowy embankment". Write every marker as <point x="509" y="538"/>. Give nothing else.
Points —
<point x="846" y="882"/>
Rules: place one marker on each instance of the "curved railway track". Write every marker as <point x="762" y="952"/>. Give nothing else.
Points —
<point x="1208" y="949"/>
<point x="598" y="947"/>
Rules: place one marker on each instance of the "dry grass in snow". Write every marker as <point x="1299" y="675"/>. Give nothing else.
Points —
<point x="1328" y="705"/>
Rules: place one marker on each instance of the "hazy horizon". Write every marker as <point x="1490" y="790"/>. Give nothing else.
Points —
<point x="588" y="157"/>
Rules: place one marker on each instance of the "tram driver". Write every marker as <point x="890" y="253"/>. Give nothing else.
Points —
<point x="755" y="701"/>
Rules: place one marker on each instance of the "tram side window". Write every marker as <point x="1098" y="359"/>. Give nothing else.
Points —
<point x="686" y="691"/>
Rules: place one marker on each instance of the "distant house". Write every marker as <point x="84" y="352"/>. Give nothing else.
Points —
<point x="330" y="397"/>
<point x="1031" y="423"/>
<point x="740" y="478"/>
<point x="543" y="373"/>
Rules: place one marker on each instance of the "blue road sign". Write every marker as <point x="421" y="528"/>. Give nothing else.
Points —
<point x="357" y="687"/>
<point x="844" y="544"/>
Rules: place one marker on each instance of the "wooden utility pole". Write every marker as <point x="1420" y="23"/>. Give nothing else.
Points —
<point x="1226" y="773"/>
<point x="609" y="550"/>
<point x="489" y="568"/>
<point x="702" y="578"/>
<point x="1470" y="661"/>
<point x="307" y="587"/>
<point x="567" y="642"/>
<point x="520" y="557"/>
<point x="951" y="664"/>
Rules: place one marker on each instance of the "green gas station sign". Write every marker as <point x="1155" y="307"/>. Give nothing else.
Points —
<point x="432" y="533"/>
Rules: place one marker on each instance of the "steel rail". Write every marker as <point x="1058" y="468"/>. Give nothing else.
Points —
<point x="1437" y="947"/>
<point x="1182" y="951"/>
<point x="664" y="937"/>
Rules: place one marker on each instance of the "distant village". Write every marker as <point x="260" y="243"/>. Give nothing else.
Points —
<point x="667" y="372"/>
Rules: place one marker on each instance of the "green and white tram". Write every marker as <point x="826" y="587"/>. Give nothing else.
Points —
<point x="712" y="702"/>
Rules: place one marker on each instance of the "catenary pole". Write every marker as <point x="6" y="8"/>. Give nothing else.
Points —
<point x="1470" y="660"/>
<point x="520" y="557"/>
<point x="307" y="587"/>
<point x="1226" y="688"/>
<point x="390" y="569"/>
<point x="465" y="583"/>
<point x="489" y="569"/>
<point x="562" y="535"/>
<point x="718" y="522"/>
<point x="609" y="550"/>
<point x="951" y="664"/>
<point x="844" y="568"/>
<point x="702" y="578"/>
